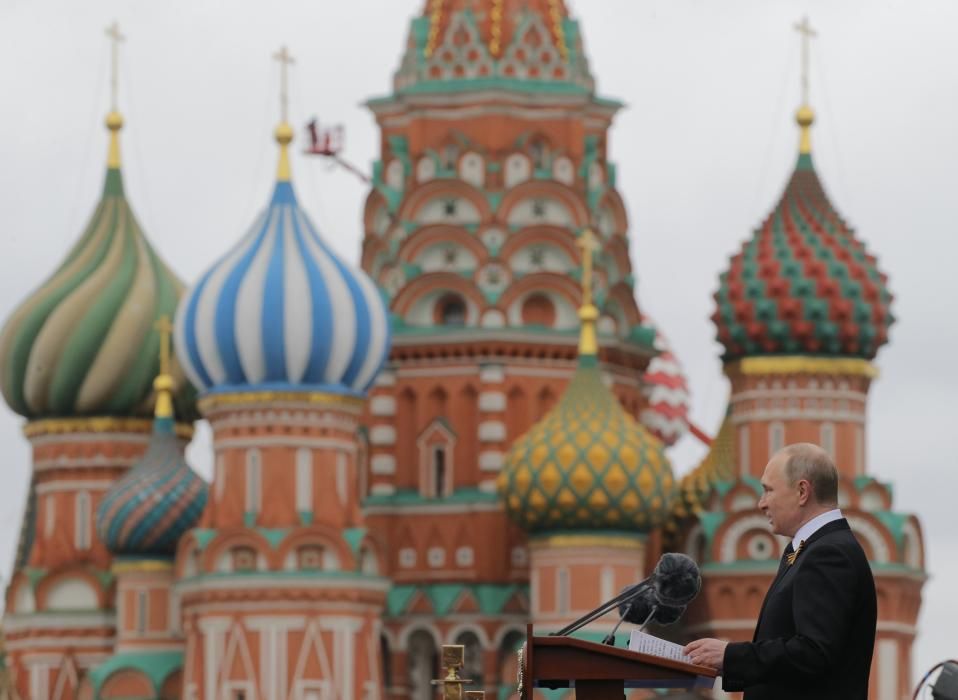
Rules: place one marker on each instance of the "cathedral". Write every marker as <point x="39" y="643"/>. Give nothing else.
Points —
<point x="461" y="430"/>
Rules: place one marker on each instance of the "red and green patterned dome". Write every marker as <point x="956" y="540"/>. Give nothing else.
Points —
<point x="803" y="284"/>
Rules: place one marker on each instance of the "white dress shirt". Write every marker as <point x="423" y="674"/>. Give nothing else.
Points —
<point x="814" y="525"/>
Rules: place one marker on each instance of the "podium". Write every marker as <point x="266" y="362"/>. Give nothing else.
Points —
<point x="598" y="671"/>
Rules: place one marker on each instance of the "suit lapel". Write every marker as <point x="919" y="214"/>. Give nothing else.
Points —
<point x="784" y="568"/>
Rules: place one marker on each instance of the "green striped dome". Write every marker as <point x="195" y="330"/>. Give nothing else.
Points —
<point x="85" y="343"/>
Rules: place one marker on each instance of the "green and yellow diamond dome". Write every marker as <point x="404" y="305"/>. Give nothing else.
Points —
<point x="587" y="465"/>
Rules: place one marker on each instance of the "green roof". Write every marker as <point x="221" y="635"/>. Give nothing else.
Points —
<point x="157" y="666"/>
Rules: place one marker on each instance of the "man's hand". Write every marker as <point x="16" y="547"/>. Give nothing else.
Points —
<point x="706" y="652"/>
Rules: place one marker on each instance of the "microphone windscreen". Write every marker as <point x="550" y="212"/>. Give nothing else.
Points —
<point x="676" y="580"/>
<point x="667" y="614"/>
<point x="638" y="609"/>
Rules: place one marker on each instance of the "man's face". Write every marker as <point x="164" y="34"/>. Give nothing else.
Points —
<point x="781" y="501"/>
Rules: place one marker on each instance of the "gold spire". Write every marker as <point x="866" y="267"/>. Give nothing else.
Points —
<point x="284" y="132"/>
<point x="163" y="384"/>
<point x="114" y="120"/>
<point x="588" y="313"/>
<point x="805" y="116"/>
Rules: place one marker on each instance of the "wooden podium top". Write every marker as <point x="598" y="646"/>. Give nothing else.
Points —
<point x="566" y="661"/>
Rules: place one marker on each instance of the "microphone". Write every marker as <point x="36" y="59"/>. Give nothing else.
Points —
<point x="676" y="580"/>
<point x="674" y="583"/>
<point x="646" y="608"/>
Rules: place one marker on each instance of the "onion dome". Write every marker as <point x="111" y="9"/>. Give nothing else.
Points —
<point x="84" y="343"/>
<point x="666" y="413"/>
<point x="160" y="498"/>
<point x="587" y="465"/>
<point x="803" y="284"/>
<point x="280" y="311"/>
<point x="469" y="44"/>
<point x="717" y="466"/>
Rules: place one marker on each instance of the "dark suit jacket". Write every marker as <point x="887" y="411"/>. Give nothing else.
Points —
<point x="816" y="632"/>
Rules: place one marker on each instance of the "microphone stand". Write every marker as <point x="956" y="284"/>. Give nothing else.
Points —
<point x="603" y="609"/>
<point x="610" y="637"/>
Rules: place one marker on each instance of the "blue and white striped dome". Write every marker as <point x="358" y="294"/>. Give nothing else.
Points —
<point x="281" y="311"/>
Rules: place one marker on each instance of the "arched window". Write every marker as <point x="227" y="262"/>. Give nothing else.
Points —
<point x="83" y="536"/>
<point x="439" y="471"/>
<point x="451" y="311"/>
<point x="538" y="310"/>
<point x="386" y="657"/>
<point x="309" y="557"/>
<point x="142" y="611"/>
<point x="423" y="665"/>
<point x="508" y="658"/>
<point x="827" y="431"/>
<point x="243" y="558"/>
<point x="254" y="482"/>
<point x="304" y="480"/>
<point x="776" y="438"/>
<point x="562" y="590"/>
<point x="743" y="457"/>
<point x="50" y="508"/>
<point x="472" y="664"/>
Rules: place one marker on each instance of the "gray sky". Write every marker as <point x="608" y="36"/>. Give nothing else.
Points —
<point x="703" y="149"/>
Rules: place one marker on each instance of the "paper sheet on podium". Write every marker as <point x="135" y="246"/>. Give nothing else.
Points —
<point x="647" y="644"/>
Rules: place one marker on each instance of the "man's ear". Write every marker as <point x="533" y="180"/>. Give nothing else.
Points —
<point x="804" y="491"/>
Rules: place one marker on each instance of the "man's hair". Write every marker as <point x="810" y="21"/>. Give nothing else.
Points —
<point x="810" y="462"/>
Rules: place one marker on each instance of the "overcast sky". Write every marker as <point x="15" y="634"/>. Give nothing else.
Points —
<point x="703" y="149"/>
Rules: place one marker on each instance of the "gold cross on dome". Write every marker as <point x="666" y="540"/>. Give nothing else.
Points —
<point x="805" y="29"/>
<point x="285" y="61"/>
<point x="589" y="244"/>
<point x="113" y="31"/>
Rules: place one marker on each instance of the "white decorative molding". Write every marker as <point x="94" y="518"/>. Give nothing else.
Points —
<point x="492" y="401"/>
<point x="491" y="460"/>
<point x="383" y="464"/>
<point x="436" y="557"/>
<point x="735" y="532"/>
<point x="382" y="435"/>
<point x="871" y="534"/>
<point x="386" y="377"/>
<point x="493" y="318"/>
<point x="465" y="556"/>
<point x="492" y="431"/>
<point x="492" y="374"/>
<point x="460" y="371"/>
<point x="488" y="486"/>
<point x="74" y="485"/>
<point x="291" y="441"/>
<point x="383" y="405"/>
<point x="382" y="490"/>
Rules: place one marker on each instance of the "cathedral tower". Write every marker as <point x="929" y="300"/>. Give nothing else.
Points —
<point x="280" y="585"/>
<point x="77" y="360"/>
<point x="494" y="159"/>
<point x="802" y="312"/>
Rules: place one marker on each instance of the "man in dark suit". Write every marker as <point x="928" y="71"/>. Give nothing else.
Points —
<point x="816" y="631"/>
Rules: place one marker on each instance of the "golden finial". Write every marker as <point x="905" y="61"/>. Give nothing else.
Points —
<point x="453" y="659"/>
<point x="588" y="313"/>
<point x="284" y="132"/>
<point x="163" y="384"/>
<point x="805" y="116"/>
<point x="114" y="120"/>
